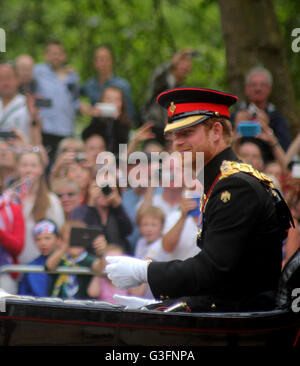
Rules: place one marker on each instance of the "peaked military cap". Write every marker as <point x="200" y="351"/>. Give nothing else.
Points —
<point x="190" y="106"/>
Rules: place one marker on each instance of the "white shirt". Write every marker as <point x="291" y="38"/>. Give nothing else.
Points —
<point x="186" y="246"/>
<point x="153" y="250"/>
<point x="54" y="212"/>
<point x="158" y="201"/>
<point x="15" y="115"/>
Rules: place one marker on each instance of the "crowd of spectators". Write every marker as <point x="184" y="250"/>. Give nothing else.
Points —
<point x="48" y="170"/>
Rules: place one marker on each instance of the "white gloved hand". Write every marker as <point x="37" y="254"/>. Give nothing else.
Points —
<point x="132" y="302"/>
<point x="126" y="272"/>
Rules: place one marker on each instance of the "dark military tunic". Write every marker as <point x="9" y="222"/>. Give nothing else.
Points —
<point x="241" y="245"/>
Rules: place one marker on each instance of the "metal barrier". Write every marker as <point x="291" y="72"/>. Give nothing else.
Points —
<point x="19" y="268"/>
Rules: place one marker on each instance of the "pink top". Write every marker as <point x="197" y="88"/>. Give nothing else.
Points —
<point x="108" y="290"/>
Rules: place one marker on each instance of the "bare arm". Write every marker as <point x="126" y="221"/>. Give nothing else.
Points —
<point x="147" y="201"/>
<point x="99" y="246"/>
<point x="54" y="259"/>
<point x="293" y="149"/>
<point x="170" y="239"/>
<point x="143" y="133"/>
<point x="94" y="288"/>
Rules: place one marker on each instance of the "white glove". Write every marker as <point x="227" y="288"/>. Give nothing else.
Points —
<point x="126" y="272"/>
<point x="132" y="302"/>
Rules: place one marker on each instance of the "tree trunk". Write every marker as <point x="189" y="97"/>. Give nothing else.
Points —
<point x="252" y="37"/>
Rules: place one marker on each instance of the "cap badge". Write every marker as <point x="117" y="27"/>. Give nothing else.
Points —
<point x="172" y="107"/>
<point x="225" y="196"/>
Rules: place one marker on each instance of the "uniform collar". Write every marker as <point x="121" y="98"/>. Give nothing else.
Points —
<point x="212" y="169"/>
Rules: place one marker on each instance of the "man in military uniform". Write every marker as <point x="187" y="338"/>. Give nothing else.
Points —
<point x="240" y="235"/>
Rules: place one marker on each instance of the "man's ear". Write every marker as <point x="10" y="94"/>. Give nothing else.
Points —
<point x="217" y="130"/>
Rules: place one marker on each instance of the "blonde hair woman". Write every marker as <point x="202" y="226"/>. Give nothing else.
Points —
<point x="38" y="202"/>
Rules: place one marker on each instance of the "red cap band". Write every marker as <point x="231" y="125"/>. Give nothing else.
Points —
<point x="189" y="107"/>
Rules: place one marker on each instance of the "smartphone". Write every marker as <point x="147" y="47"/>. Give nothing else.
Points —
<point x="84" y="237"/>
<point x="296" y="170"/>
<point x="106" y="190"/>
<point x="249" y="128"/>
<point x="42" y="103"/>
<point x="106" y="109"/>
<point x="5" y="135"/>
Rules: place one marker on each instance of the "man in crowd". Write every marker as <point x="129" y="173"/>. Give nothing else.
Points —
<point x="171" y="74"/>
<point x="94" y="87"/>
<point x="258" y="88"/>
<point x="58" y="86"/>
<point x="24" y="67"/>
<point x="14" y="113"/>
<point x="240" y="234"/>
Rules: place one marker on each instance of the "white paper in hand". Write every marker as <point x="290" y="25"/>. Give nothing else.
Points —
<point x="132" y="302"/>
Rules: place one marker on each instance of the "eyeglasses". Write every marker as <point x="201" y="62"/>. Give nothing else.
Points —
<point x="68" y="194"/>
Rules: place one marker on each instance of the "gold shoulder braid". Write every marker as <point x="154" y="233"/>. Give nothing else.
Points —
<point x="229" y="168"/>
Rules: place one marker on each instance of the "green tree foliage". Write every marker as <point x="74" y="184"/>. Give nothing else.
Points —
<point x="143" y="34"/>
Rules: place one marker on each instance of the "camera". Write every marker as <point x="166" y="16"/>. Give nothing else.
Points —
<point x="43" y="103"/>
<point x="252" y="110"/>
<point x="195" y="54"/>
<point x="5" y="135"/>
<point x="249" y="128"/>
<point x="106" y="190"/>
<point x="80" y="157"/>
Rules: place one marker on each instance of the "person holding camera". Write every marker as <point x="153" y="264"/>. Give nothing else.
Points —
<point x="169" y="75"/>
<point x="110" y="119"/>
<point x="104" y="209"/>
<point x="257" y="107"/>
<point x="70" y="286"/>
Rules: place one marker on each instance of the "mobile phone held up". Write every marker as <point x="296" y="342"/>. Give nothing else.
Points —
<point x="249" y="128"/>
<point x="43" y="103"/>
<point x="106" y="109"/>
<point x="6" y="135"/>
<point x="84" y="237"/>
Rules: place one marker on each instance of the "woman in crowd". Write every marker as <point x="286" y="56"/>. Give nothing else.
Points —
<point x="113" y="124"/>
<point x="69" y="193"/>
<point x="38" y="202"/>
<point x="11" y="237"/>
<point x="105" y="209"/>
<point x="68" y="151"/>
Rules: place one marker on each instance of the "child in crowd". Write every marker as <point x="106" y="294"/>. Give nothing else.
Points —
<point x="46" y="239"/>
<point x="75" y="286"/>
<point x="151" y="223"/>
<point x="101" y="287"/>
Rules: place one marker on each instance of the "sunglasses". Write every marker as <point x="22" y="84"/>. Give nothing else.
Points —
<point x="68" y="194"/>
